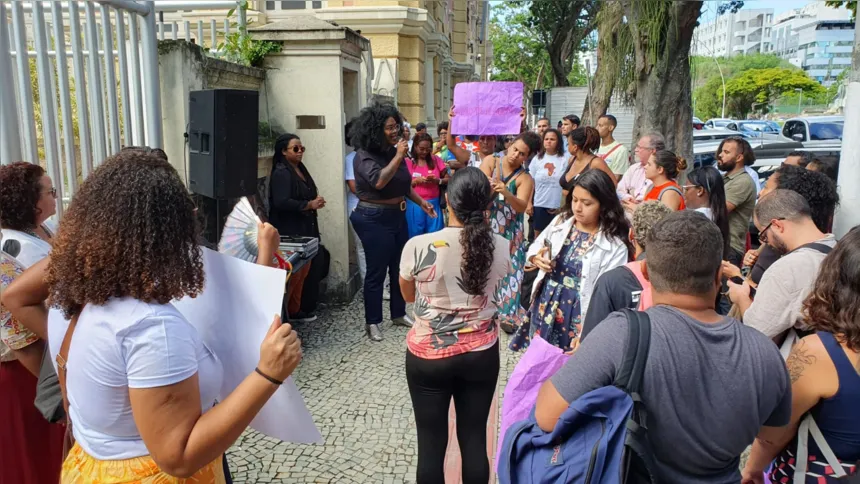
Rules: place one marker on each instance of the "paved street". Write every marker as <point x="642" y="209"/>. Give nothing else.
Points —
<point x="356" y="391"/>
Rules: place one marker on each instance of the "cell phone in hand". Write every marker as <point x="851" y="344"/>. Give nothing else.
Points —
<point x="737" y="280"/>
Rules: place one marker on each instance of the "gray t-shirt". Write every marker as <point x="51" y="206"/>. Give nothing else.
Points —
<point x="708" y="389"/>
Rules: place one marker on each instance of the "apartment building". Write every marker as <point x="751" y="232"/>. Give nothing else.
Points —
<point x="816" y="38"/>
<point x="746" y="32"/>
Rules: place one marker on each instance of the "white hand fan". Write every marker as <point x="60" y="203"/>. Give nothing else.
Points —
<point x="239" y="237"/>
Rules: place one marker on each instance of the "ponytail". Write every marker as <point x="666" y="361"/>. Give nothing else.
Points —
<point x="469" y="198"/>
<point x="671" y="163"/>
<point x="586" y="138"/>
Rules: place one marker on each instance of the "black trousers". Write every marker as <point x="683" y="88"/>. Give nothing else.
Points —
<point x="470" y="378"/>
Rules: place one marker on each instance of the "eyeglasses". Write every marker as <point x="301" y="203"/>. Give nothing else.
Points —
<point x="762" y="236"/>
<point x="396" y="128"/>
<point x="298" y="149"/>
<point x="642" y="148"/>
<point x="685" y="187"/>
<point x="52" y="191"/>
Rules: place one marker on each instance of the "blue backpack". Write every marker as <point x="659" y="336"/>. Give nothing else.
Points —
<point x="600" y="439"/>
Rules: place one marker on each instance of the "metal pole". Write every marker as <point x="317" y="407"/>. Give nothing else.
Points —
<point x="65" y="99"/>
<point x="10" y="136"/>
<point x="96" y="95"/>
<point x="137" y="91"/>
<point x="80" y="90"/>
<point x="200" y="33"/>
<point x="47" y="101"/>
<point x="243" y="18"/>
<point x="723" y="79"/>
<point x="25" y="93"/>
<point x="110" y="81"/>
<point x="121" y="47"/>
<point x="848" y="214"/>
<point x="150" y="79"/>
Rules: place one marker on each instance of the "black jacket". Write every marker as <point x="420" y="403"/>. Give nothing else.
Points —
<point x="288" y="197"/>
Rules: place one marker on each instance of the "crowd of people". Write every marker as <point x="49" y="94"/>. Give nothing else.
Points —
<point x="546" y="234"/>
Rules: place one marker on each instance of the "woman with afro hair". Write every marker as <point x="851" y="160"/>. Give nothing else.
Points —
<point x="382" y="184"/>
<point x="142" y="386"/>
<point x="27" y="200"/>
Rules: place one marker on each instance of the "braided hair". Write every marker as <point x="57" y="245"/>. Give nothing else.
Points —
<point x="469" y="198"/>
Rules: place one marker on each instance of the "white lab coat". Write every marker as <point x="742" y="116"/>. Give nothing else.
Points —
<point x="605" y="254"/>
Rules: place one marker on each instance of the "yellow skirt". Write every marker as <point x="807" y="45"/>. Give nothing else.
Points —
<point x="81" y="468"/>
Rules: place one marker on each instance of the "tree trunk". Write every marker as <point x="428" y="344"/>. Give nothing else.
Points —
<point x="557" y="59"/>
<point x="663" y="92"/>
<point x="608" y="22"/>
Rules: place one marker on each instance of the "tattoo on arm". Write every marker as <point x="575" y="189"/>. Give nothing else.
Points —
<point x="799" y="360"/>
<point x="387" y="173"/>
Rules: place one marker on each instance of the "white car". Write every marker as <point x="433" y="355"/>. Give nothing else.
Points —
<point x="717" y="123"/>
<point x="815" y="132"/>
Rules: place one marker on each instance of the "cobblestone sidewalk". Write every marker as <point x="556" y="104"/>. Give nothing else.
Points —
<point x="356" y="391"/>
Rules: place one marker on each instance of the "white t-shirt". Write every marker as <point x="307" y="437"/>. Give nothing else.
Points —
<point x="619" y="158"/>
<point x="349" y="174"/>
<point x="547" y="172"/>
<point x="33" y="249"/>
<point x="127" y="344"/>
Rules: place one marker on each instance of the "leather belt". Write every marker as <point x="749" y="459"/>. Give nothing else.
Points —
<point x="399" y="206"/>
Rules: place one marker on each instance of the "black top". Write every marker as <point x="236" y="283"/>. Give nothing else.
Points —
<point x="766" y="257"/>
<point x="369" y="165"/>
<point x="568" y="184"/>
<point x="615" y="290"/>
<point x="288" y="197"/>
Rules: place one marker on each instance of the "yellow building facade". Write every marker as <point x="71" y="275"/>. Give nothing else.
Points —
<point x="421" y="48"/>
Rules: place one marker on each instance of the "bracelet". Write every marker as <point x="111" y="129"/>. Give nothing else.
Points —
<point x="267" y="377"/>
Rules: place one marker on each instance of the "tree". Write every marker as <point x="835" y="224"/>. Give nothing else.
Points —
<point x="763" y="86"/>
<point x="705" y="68"/>
<point x="614" y="46"/>
<point x="518" y="54"/>
<point x="708" y="99"/>
<point x="662" y="34"/>
<point x="562" y="26"/>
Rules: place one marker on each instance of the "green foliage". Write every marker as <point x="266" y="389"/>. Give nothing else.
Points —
<point x="764" y="86"/>
<point x="849" y="4"/>
<point x="238" y="47"/>
<point x="519" y="54"/>
<point x="563" y="26"/>
<point x="705" y="68"/>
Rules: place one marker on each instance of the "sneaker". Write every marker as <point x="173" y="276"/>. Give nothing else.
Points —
<point x="405" y="321"/>
<point x="303" y="317"/>
<point x="373" y="332"/>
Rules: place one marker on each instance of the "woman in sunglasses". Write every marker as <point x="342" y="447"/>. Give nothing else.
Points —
<point x="293" y="204"/>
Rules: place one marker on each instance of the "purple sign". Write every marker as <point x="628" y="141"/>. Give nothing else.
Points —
<point x="487" y="108"/>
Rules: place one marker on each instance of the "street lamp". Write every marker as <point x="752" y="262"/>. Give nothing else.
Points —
<point x="799" y="100"/>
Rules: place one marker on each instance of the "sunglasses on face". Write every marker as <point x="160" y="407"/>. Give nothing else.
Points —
<point x="298" y="149"/>
<point x="53" y="192"/>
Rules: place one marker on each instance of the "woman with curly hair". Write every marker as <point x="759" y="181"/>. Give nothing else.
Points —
<point x="825" y="380"/>
<point x="513" y="188"/>
<point x="452" y="350"/>
<point x="588" y="238"/>
<point x="27" y="200"/>
<point x="582" y="143"/>
<point x="141" y="386"/>
<point x="382" y="184"/>
<point x="429" y="175"/>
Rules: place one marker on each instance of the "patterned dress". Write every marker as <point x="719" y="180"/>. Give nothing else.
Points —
<point x="555" y="314"/>
<point x="505" y="221"/>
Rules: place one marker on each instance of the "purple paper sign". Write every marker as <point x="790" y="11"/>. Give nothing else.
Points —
<point x="487" y="108"/>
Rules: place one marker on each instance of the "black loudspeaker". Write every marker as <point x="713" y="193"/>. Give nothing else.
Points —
<point x="539" y="98"/>
<point x="222" y="141"/>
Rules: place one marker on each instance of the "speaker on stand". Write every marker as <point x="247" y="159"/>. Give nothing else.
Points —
<point x="222" y="145"/>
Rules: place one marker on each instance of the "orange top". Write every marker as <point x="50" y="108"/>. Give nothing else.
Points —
<point x="658" y="191"/>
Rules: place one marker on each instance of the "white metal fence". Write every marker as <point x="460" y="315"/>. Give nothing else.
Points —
<point x="203" y="33"/>
<point x="96" y="78"/>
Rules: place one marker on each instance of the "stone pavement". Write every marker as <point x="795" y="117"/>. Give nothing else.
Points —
<point x="356" y="391"/>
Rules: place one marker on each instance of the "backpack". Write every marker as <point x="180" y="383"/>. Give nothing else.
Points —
<point x="610" y="421"/>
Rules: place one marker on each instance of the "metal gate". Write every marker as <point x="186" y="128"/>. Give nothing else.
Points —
<point x="96" y="82"/>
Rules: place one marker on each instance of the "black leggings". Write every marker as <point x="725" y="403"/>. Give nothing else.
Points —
<point x="471" y="379"/>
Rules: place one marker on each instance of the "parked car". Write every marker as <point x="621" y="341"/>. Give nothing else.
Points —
<point x="769" y="153"/>
<point x="717" y="123"/>
<point x="815" y="131"/>
<point x="698" y="124"/>
<point x="754" y="128"/>
<point x="716" y="134"/>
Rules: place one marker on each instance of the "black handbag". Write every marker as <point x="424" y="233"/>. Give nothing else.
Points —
<point x="49" y="396"/>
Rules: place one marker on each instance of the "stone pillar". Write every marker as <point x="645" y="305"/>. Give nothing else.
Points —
<point x="429" y="92"/>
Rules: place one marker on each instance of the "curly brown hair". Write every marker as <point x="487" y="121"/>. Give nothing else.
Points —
<point x="130" y="232"/>
<point x="834" y="303"/>
<point x="20" y="195"/>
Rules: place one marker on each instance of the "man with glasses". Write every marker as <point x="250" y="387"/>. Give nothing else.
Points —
<point x="633" y="185"/>
<point x="785" y="223"/>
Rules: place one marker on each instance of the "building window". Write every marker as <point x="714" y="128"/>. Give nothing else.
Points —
<point x="293" y="5"/>
<point x="316" y="4"/>
<point x="270" y="5"/>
